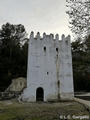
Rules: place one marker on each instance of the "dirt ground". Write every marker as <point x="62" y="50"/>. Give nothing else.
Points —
<point x="12" y="110"/>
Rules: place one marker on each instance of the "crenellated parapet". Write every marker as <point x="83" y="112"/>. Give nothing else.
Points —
<point x="50" y="36"/>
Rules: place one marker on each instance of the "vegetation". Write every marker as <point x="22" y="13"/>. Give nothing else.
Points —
<point x="12" y="110"/>
<point x="13" y="53"/>
<point x="79" y="14"/>
<point x="81" y="64"/>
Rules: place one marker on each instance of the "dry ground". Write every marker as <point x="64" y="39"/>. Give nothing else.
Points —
<point x="12" y="110"/>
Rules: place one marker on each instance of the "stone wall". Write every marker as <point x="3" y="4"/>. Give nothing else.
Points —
<point x="49" y="68"/>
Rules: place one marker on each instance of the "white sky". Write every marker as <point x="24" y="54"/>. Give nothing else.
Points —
<point x="36" y="15"/>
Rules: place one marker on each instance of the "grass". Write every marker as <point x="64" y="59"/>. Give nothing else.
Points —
<point x="12" y="110"/>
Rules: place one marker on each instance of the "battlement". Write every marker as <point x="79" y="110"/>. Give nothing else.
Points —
<point x="50" y="36"/>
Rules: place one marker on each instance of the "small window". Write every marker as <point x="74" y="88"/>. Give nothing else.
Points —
<point x="47" y="73"/>
<point x="44" y="48"/>
<point x="56" y="49"/>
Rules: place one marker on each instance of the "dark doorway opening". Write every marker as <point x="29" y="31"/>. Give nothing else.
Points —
<point x="39" y="94"/>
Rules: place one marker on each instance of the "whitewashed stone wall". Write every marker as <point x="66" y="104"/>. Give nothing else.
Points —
<point x="49" y="67"/>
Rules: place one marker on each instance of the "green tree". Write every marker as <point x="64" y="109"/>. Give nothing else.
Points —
<point x="81" y="64"/>
<point x="13" y="60"/>
<point x="79" y="14"/>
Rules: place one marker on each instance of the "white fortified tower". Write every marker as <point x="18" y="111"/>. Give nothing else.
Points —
<point x="49" y="74"/>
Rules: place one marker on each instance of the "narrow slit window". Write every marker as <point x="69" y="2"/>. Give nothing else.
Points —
<point x="56" y="49"/>
<point x="44" y="48"/>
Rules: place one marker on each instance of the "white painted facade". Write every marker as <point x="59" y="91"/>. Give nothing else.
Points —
<point x="49" y="68"/>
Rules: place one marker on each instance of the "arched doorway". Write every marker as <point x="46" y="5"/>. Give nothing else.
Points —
<point x="39" y="94"/>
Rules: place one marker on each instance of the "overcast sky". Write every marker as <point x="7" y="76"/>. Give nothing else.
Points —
<point x="36" y="15"/>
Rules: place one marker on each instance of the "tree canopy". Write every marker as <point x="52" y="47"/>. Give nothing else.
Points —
<point x="13" y="55"/>
<point x="79" y="14"/>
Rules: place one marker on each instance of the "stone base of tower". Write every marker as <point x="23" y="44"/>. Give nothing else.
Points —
<point x="32" y="96"/>
<point x="67" y="96"/>
<point x="26" y="96"/>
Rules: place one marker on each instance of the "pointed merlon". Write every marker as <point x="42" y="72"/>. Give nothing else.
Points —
<point x="51" y="36"/>
<point x="44" y="35"/>
<point x="57" y="37"/>
<point x="63" y="37"/>
<point x="32" y="35"/>
<point x="69" y="37"/>
<point x="38" y="35"/>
